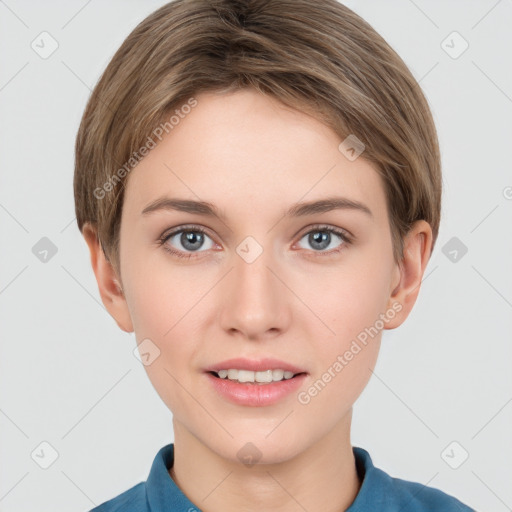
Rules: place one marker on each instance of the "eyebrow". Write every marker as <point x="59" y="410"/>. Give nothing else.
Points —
<point x="300" y="209"/>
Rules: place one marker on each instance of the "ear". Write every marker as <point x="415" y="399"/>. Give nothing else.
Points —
<point x="110" y="290"/>
<point x="409" y="273"/>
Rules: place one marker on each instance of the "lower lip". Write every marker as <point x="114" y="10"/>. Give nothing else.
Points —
<point x="256" y="395"/>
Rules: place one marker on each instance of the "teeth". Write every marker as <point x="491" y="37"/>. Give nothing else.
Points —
<point x="250" y="376"/>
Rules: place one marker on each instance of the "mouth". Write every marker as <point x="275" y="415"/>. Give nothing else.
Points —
<point x="242" y="387"/>
<point x="255" y="378"/>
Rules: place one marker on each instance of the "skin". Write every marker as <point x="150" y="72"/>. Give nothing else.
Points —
<point x="253" y="158"/>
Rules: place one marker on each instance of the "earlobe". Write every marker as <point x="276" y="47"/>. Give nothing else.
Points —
<point x="417" y="251"/>
<point x="109" y="287"/>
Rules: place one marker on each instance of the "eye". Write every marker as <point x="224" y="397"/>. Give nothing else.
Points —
<point x="320" y="238"/>
<point x="191" y="239"/>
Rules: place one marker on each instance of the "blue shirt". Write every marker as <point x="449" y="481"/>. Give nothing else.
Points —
<point x="379" y="492"/>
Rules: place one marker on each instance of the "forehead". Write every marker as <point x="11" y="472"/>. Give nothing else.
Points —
<point x="246" y="151"/>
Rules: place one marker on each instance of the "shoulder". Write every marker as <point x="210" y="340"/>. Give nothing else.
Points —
<point x="421" y="498"/>
<point x="132" y="500"/>
<point x="380" y="491"/>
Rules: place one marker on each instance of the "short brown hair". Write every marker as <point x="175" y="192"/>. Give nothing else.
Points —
<point x="316" y="56"/>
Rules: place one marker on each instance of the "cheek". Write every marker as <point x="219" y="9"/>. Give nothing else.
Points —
<point x="348" y="301"/>
<point x="351" y="303"/>
<point x="158" y="295"/>
<point x="344" y="360"/>
<point x="168" y="316"/>
<point x="164" y="309"/>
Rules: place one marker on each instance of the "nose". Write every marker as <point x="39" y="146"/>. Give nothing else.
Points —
<point x="255" y="303"/>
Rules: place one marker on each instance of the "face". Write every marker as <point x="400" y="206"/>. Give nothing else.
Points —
<point x="253" y="281"/>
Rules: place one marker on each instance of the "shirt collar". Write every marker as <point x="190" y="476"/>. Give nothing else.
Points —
<point x="163" y="493"/>
<point x="375" y="492"/>
<point x="161" y="490"/>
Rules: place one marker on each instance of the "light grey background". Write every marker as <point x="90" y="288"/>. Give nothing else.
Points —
<point x="67" y="372"/>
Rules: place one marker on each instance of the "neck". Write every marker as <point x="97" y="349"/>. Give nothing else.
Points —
<point x="323" y="476"/>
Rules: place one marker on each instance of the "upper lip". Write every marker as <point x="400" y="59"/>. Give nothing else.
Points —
<point x="267" y="363"/>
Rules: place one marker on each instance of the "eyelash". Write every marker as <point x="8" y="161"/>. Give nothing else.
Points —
<point x="347" y="240"/>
